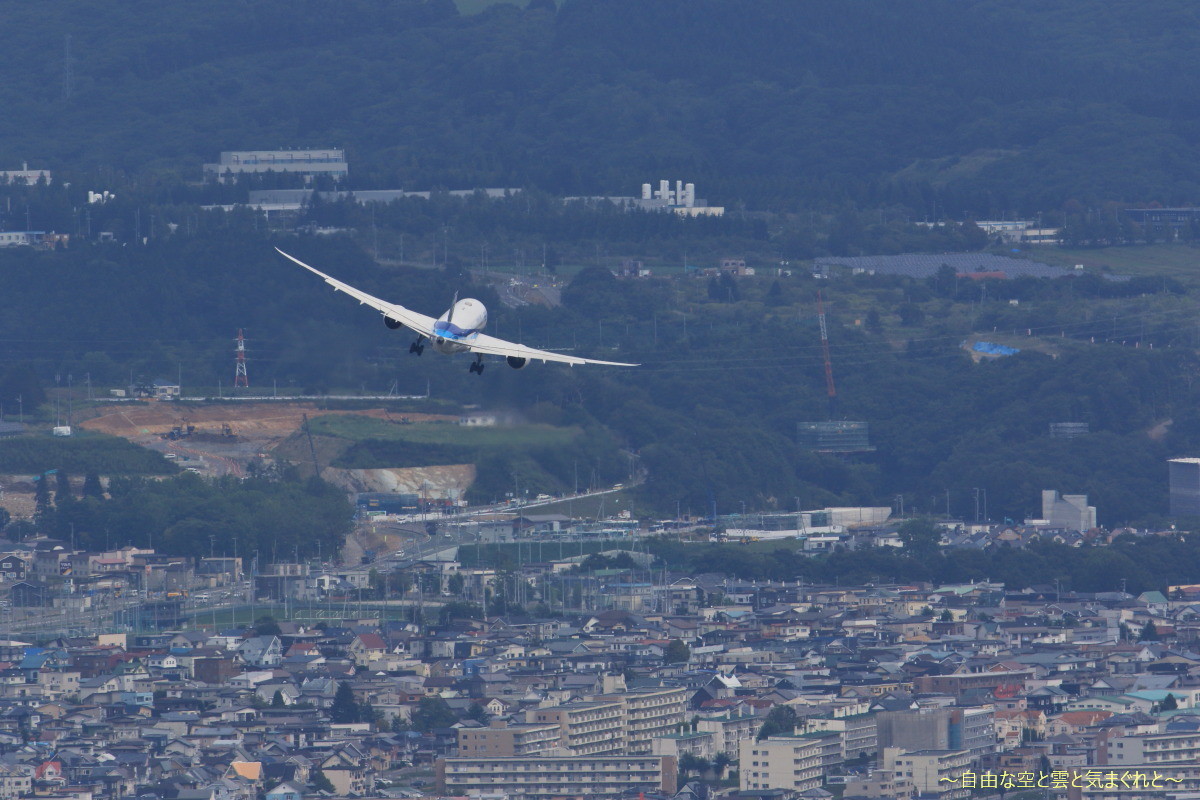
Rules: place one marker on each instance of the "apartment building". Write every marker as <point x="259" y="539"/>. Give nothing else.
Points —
<point x="503" y="739"/>
<point x="650" y="713"/>
<point x="15" y="781"/>
<point x="880" y="784"/>
<point x="557" y="776"/>
<point x="729" y="730"/>
<point x="593" y="728"/>
<point x="931" y="772"/>
<point x="973" y="729"/>
<point x="699" y="745"/>
<point x="1171" y="781"/>
<point x="858" y="733"/>
<point x="796" y="761"/>
<point x="1182" y="747"/>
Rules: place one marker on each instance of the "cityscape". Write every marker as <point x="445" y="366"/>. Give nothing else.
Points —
<point x="813" y="412"/>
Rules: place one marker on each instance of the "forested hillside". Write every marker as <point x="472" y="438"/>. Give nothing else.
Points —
<point x="823" y="127"/>
<point x="942" y="107"/>
<point x="729" y="368"/>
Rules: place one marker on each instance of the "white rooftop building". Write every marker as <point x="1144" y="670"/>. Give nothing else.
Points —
<point x="1069" y="511"/>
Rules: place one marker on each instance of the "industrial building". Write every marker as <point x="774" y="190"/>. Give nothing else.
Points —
<point x="1184" y="478"/>
<point x="309" y="163"/>
<point x="1068" y="511"/>
<point x="838" y="436"/>
<point x="679" y="199"/>
<point x="1163" y="219"/>
<point x="21" y="238"/>
<point x="25" y="175"/>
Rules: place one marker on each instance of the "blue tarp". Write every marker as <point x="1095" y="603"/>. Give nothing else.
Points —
<point x="992" y="349"/>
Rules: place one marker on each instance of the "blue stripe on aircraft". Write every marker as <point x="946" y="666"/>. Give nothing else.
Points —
<point x="448" y="330"/>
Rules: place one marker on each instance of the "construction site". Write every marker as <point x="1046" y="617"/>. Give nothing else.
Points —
<point x="222" y="439"/>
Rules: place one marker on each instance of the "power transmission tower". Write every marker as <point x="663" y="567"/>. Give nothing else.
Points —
<point x="239" y="374"/>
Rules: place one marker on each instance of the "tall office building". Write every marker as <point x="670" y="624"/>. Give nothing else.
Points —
<point x="1184" y="476"/>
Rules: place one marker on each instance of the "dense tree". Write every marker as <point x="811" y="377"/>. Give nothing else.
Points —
<point x="266" y="626"/>
<point x="919" y="103"/>
<point x="780" y="719"/>
<point x="41" y="496"/>
<point x="62" y="487"/>
<point x="181" y="514"/>
<point x="676" y="652"/>
<point x="920" y="536"/>
<point x="344" y="707"/>
<point x="92" y="487"/>
<point x="431" y="713"/>
<point x="322" y="783"/>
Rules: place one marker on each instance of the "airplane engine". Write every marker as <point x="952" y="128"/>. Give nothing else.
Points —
<point x="393" y="324"/>
<point x="516" y="362"/>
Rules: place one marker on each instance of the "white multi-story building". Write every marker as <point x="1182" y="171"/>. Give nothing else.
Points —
<point x="931" y="772"/>
<point x="308" y="163"/>
<point x="858" y="732"/>
<point x="650" y="713"/>
<point x="795" y="761"/>
<point x="550" y="776"/>
<point x="587" y="728"/>
<point x="730" y="730"/>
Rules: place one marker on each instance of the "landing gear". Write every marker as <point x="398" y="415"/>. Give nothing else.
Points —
<point x="477" y="365"/>
<point x="418" y="346"/>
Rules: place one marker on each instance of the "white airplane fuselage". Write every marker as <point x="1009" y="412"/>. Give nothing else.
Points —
<point x="454" y="329"/>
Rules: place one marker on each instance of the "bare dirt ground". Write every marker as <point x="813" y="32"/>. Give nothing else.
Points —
<point x="258" y="421"/>
<point x="253" y="429"/>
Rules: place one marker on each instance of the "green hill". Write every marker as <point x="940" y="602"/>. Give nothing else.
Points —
<point x="942" y="106"/>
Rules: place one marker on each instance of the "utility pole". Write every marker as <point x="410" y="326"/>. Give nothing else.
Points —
<point x="311" y="447"/>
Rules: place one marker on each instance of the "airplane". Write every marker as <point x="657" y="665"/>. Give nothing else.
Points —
<point x="458" y="330"/>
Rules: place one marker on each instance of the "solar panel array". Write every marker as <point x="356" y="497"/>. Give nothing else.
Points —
<point x="926" y="266"/>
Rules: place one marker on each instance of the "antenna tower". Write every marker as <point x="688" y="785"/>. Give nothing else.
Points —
<point x="239" y="374"/>
<point x="829" y="388"/>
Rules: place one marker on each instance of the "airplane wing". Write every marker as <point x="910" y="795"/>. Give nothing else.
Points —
<point x="491" y="346"/>
<point x="411" y="319"/>
<point x="475" y="342"/>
